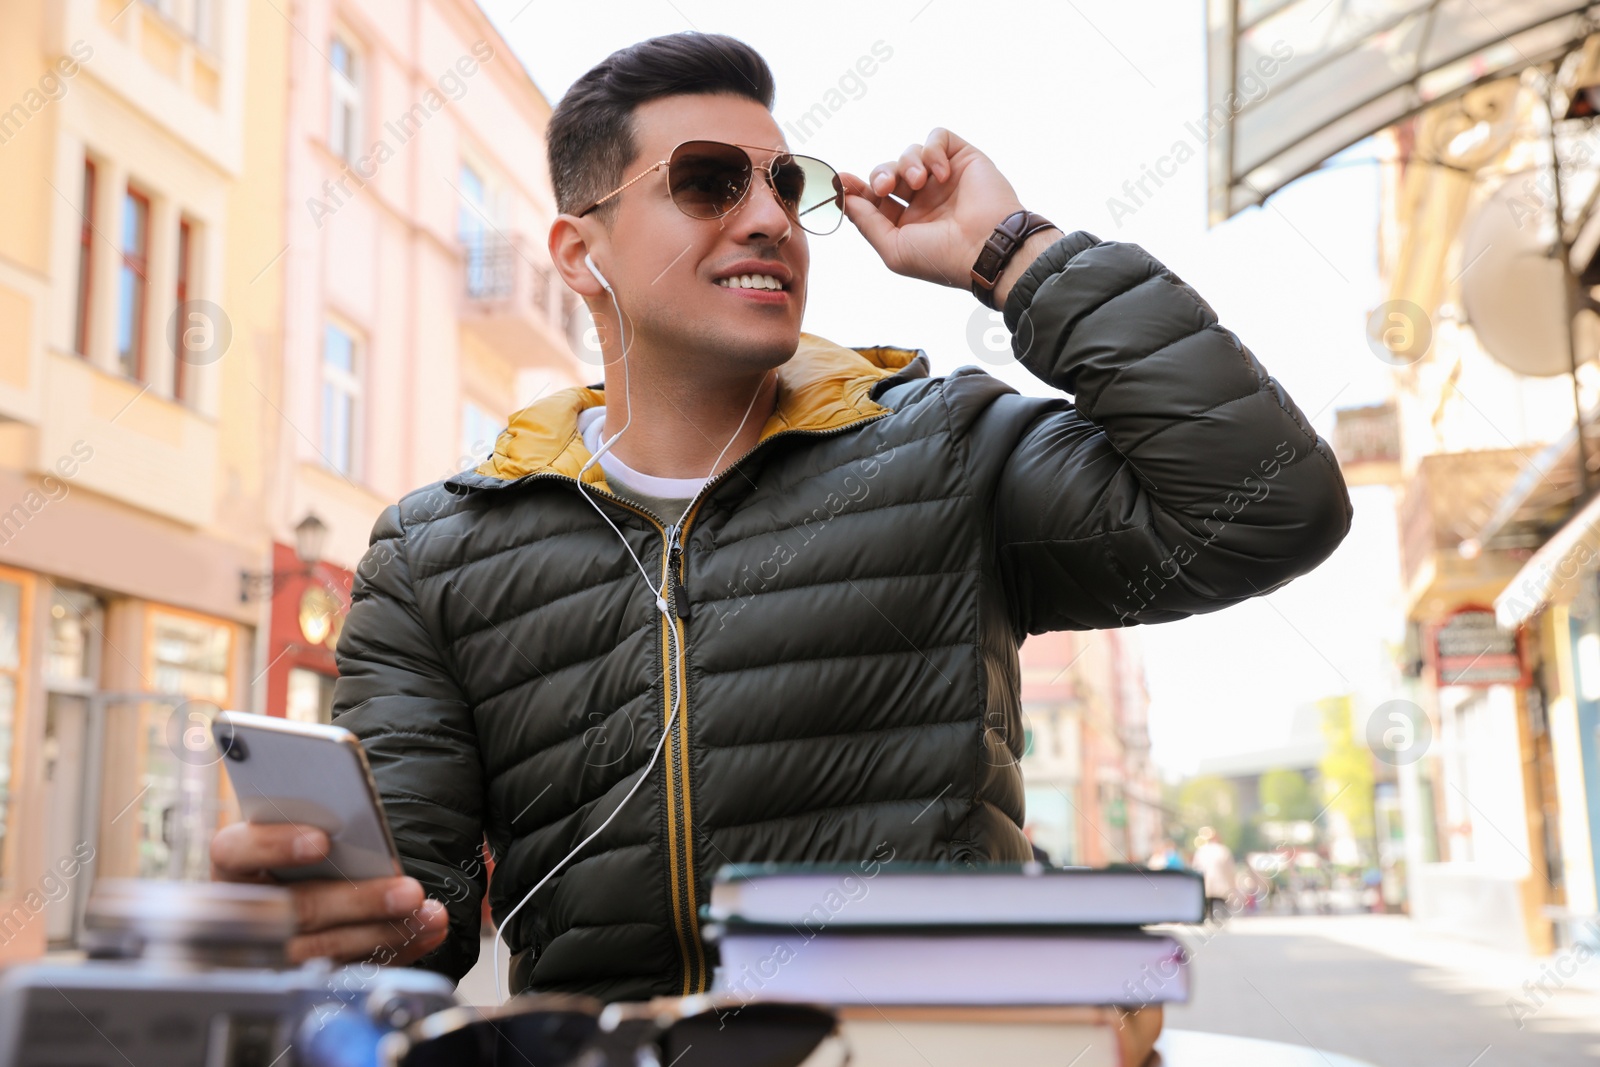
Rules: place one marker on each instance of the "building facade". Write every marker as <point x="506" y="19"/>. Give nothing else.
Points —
<point x="264" y="268"/>
<point x="1093" y="796"/>
<point x="1495" y="769"/>
<point x="422" y="309"/>
<point x="130" y="336"/>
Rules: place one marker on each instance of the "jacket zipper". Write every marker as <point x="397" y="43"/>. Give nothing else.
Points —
<point x="678" y="608"/>
<point x="680" y="847"/>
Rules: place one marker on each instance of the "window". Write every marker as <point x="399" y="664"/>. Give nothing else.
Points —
<point x="80" y="342"/>
<point x="131" y="284"/>
<point x="341" y="399"/>
<point x="469" y="228"/>
<point x="200" y="18"/>
<point x="344" y="91"/>
<point x="72" y="643"/>
<point x="191" y="657"/>
<point x="177" y="806"/>
<point x="76" y="620"/>
<point x="11" y="613"/>
<point x="180" y="366"/>
<point x="479" y="429"/>
<point x="193" y="17"/>
<point x="310" y="697"/>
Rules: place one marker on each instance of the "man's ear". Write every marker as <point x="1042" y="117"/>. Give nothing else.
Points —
<point x="569" y="243"/>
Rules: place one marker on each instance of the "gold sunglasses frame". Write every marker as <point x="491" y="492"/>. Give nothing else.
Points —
<point x="767" y="170"/>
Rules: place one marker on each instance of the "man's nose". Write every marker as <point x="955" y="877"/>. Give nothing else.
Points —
<point x="761" y="214"/>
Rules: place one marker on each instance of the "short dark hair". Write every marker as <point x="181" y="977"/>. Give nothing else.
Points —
<point x="590" y="138"/>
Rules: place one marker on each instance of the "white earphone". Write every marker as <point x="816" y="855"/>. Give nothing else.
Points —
<point x="601" y="278"/>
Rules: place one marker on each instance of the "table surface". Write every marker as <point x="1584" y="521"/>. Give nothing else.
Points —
<point x="1191" y="1048"/>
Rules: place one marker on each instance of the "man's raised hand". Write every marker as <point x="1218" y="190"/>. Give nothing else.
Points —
<point x="954" y="198"/>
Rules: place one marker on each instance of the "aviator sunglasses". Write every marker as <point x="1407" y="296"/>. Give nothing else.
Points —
<point x="708" y="179"/>
<point x="570" y="1030"/>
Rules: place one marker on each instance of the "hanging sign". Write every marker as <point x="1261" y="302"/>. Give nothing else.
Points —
<point x="1470" y="648"/>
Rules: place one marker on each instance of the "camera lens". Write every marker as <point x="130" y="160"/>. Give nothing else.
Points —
<point x="233" y="746"/>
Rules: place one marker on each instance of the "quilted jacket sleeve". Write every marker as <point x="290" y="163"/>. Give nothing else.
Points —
<point x="1181" y="479"/>
<point x="395" y="693"/>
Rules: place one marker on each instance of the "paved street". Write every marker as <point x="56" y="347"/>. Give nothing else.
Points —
<point x="1377" y="988"/>
<point x="1374" y="987"/>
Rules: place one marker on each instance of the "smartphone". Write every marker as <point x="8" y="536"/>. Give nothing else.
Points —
<point x="296" y="772"/>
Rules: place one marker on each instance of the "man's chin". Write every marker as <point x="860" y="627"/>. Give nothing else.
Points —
<point x="759" y="349"/>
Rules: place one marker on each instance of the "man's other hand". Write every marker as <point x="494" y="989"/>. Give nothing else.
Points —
<point x="386" y="920"/>
<point x="928" y="213"/>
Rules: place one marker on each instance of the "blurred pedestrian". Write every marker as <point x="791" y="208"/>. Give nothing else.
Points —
<point x="1167" y="857"/>
<point x="1214" y="860"/>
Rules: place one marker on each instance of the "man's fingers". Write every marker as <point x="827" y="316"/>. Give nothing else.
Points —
<point x="397" y="941"/>
<point x="917" y="164"/>
<point x="911" y="166"/>
<point x="886" y="178"/>
<point x="325" y="904"/>
<point x="242" y="850"/>
<point x="889" y="208"/>
<point x="871" y="218"/>
<point x="936" y="153"/>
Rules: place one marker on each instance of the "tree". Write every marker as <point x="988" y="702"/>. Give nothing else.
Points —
<point x="1347" y="772"/>
<point x="1286" y="796"/>
<point x="1211" y="801"/>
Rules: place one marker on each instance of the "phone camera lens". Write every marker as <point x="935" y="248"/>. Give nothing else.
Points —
<point x="233" y="747"/>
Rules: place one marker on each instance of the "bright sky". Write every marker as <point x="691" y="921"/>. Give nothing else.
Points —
<point x="1071" y="100"/>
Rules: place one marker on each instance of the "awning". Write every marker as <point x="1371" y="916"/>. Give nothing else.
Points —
<point x="1302" y="80"/>
<point x="1553" y="571"/>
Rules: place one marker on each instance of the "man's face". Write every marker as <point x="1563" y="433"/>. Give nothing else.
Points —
<point x="666" y="266"/>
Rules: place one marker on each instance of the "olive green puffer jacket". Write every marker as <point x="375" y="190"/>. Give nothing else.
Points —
<point x="850" y="594"/>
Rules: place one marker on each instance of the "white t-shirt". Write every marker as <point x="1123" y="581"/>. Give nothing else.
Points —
<point x="667" y="497"/>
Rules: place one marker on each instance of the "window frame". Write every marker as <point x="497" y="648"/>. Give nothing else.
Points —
<point x="185" y="261"/>
<point x="81" y="340"/>
<point x="349" y="384"/>
<point x="138" y="265"/>
<point x="346" y="98"/>
<point x="20" y="675"/>
<point x="470" y="457"/>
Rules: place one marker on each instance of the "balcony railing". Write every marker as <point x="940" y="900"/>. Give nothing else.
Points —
<point x="517" y="302"/>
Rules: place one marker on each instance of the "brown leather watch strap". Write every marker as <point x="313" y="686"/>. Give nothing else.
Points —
<point x="1000" y="247"/>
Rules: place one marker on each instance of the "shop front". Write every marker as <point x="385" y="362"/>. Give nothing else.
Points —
<point x="121" y="635"/>
<point x="1470" y="774"/>
<point x="309" y="604"/>
<point x="1555" y="600"/>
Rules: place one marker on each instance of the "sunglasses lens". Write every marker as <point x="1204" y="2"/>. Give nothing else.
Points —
<point x="812" y="192"/>
<point x="755" y="1035"/>
<point x="543" y="1038"/>
<point x="707" y="178"/>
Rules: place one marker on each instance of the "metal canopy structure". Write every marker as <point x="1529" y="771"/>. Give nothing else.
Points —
<point x="1353" y="67"/>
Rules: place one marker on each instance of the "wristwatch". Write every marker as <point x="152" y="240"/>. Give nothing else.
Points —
<point x="1000" y="247"/>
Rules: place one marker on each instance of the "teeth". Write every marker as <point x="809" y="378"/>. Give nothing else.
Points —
<point x="750" y="281"/>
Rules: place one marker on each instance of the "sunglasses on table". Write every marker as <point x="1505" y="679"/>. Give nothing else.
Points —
<point x="708" y="179"/>
<point x="552" y="1030"/>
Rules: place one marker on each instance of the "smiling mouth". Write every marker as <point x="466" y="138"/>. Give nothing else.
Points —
<point x="756" y="282"/>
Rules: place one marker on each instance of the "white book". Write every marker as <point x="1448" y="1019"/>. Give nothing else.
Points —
<point x="815" y="896"/>
<point x="886" y="966"/>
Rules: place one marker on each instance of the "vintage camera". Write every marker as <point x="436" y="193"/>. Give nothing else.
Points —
<point x="194" y="974"/>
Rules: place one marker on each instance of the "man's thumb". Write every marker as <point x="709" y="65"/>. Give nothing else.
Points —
<point x="872" y="223"/>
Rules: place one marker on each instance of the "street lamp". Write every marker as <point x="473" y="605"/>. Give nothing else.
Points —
<point x="309" y="534"/>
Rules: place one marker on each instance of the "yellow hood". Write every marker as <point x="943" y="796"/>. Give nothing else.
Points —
<point x="822" y="387"/>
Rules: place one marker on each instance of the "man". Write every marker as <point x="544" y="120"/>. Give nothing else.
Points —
<point x="1214" y="860"/>
<point x="778" y="617"/>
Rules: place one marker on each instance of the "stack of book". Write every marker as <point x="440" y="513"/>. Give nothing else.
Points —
<point x="932" y="965"/>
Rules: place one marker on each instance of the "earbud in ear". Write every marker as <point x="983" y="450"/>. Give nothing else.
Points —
<point x="601" y="278"/>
